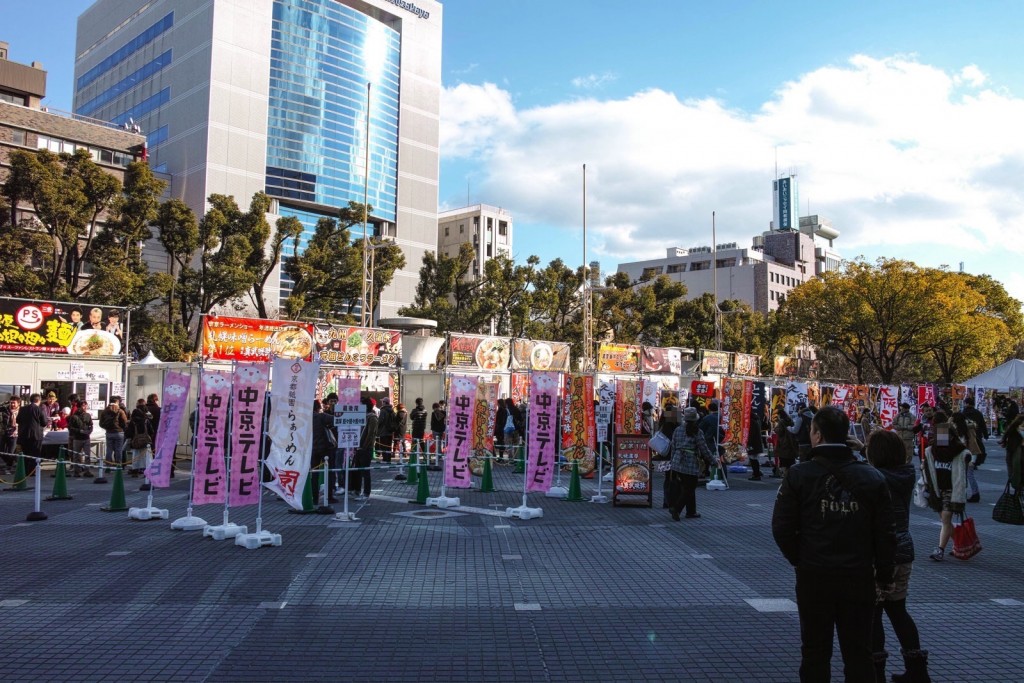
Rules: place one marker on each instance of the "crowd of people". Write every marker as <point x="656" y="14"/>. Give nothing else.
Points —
<point x="26" y="421"/>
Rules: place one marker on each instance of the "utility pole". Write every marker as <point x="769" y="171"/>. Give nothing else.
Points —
<point x="714" y="272"/>
<point x="366" y="316"/>
<point x="588" y="299"/>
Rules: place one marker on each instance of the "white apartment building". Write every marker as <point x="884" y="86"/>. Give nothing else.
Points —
<point x="487" y="228"/>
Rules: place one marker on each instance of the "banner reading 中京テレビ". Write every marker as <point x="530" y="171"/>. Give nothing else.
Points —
<point x="211" y="433"/>
<point x="888" y="405"/>
<point x="627" y="406"/>
<point x="461" y="416"/>
<point x="248" y="396"/>
<point x="175" y="398"/>
<point x="291" y="427"/>
<point x="543" y="430"/>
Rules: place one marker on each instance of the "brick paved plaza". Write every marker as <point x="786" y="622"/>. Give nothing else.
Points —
<point x="587" y="593"/>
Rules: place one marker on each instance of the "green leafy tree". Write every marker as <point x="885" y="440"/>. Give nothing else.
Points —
<point x="508" y="287"/>
<point x="558" y="306"/>
<point x="20" y="248"/>
<point x="449" y="294"/>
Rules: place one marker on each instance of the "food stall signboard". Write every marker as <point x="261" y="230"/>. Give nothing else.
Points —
<point x="28" y="326"/>
<point x="487" y="354"/>
<point x="358" y="346"/>
<point x="632" y="466"/>
<point x="255" y="339"/>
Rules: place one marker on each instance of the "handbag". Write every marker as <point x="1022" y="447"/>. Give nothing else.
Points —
<point x="660" y="444"/>
<point x="921" y="493"/>
<point x="510" y="424"/>
<point x="1009" y="508"/>
<point x="965" y="539"/>
<point x="140" y="441"/>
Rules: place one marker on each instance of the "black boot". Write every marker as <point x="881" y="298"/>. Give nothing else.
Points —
<point x="879" y="660"/>
<point x="916" y="662"/>
<point x="755" y="465"/>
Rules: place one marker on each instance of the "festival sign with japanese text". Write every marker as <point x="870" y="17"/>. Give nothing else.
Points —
<point x="211" y="434"/>
<point x="656" y="360"/>
<point x="49" y="327"/>
<point x="483" y="421"/>
<point x="702" y="392"/>
<point x="715" y="361"/>
<point x="248" y="397"/>
<point x="632" y="466"/>
<point x="528" y="354"/>
<point x="361" y="347"/>
<point x="808" y="368"/>
<point x="542" y="431"/>
<point x="255" y="339"/>
<point x="290" y="427"/>
<point x="475" y="352"/>
<point x="746" y="364"/>
<point x="888" y="404"/>
<point x="461" y="416"/>
<point x="578" y="437"/>
<point x="908" y="395"/>
<point x="628" y="402"/>
<point x="786" y="366"/>
<point x="349" y="413"/>
<point x="605" y="406"/>
<point x="519" y="386"/>
<point x="618" y="358"/>
<point x="926" y="395"/>
<point x="175" y="399"/>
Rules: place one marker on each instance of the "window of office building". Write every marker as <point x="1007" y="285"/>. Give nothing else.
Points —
<point x="502" y="228"/>
<point x="446" y="230"/>
<point x="676" y="268"/>
<point x="12" y="98"/>
<point x="700" y="265"/>
<point x="652" y="271"/>
<point x="322" y="55"/>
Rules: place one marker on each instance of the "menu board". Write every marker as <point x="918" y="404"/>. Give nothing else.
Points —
<point x="662" y="361"/>
<point x="714" y="361"/>
<point x="474" y="352"/>
<point x="618" y="358"/>
<point x="528" y="354"/>
<point x="255" y="339"/>
<point x="632" y="465"/>
<point x="60" y="328"/>
<point x="357" y="346"/>
<point x="746" y="364"/>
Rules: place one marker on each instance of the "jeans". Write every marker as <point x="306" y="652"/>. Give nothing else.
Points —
<point x="7" y="444"/>
<point x="359" y="479"/>
<point x="115" y="448"/>
<point x="827" y="601"/>
<point x="972" y="480"/>
<point x="81" y="454"/>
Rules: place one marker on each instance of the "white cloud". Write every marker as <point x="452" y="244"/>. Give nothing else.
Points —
<point x="895" y="152"/>
<point x="593" y="81"/>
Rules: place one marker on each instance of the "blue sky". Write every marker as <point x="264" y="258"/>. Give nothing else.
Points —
<point x="901" y="120"/>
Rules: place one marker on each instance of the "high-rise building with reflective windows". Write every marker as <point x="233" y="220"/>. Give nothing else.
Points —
<point x="292" y="97"/>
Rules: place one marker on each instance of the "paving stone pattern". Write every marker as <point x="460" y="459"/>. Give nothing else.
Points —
<point x="588" y="592"/>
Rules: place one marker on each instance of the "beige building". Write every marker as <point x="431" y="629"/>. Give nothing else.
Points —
<point x="487" y="228"/>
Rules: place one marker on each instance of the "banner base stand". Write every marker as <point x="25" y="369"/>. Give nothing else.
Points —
<point x="188" y="523"/>
<point x="147" y="513"/>
<point x="599" y="499"/>
<point x="608" y="477"/>
<point x="347" y="517"/>
<point x="557" y="492"/>
<point x="325" y="510"/>
<point x="523" y="512"/>
<point x="257" y="539"/>
<point x="716" y="485"/>
<point x="222" y="531"/>
<point x="443" y="502"/>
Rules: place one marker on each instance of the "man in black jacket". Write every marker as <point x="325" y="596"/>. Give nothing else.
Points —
<point x="834" y="522"/>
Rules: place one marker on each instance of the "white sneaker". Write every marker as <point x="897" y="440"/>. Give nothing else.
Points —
<point x="938" y="554"/>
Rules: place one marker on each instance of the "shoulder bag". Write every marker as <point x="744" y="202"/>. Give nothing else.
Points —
<point x="965" y="539"/>
<point x="1009" y="508"/>
<point x="660" y="444"/>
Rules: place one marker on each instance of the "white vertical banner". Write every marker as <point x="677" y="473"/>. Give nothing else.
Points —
<point x="291" y="427"/>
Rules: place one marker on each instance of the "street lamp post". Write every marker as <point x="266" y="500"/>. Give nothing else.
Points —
<point x="372" y="248"/>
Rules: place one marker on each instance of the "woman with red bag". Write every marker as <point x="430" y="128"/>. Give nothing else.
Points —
<point x="945" y="465"/>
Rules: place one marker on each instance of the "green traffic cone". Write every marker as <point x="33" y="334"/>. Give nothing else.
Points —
<point x="60" y="484"/>
<point x="410" y="469"/>
<point x="423" y="487"/>
<point x="307" y="497"/>
<point x="19" y="475"/>
<point x="117" y="499"/>
<point x="574" y="484"/>
<point x="487" y="481"/>
<point x="520" y="467"/>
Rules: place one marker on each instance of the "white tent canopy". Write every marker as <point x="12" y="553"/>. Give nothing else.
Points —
<point x="150" y="359"/>
<point x="1001" y="377"/>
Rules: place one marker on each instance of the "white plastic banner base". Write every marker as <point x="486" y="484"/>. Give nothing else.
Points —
<point x="599" y="499"/>
<point x="443" y="502"/>
<point x="523" y="512"/>
<point x="257" y="540"/>
<point x="347" y="517"/>
<point x="188" y="523"/>
<point x="557" y="492"/>
<point x="223" y="531"/>
<point x="148" y="513"/>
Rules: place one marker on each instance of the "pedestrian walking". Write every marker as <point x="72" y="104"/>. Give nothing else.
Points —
<point x="689" y="451"/>
<point x="80" y="431"/>
<point x="945" y="472"/>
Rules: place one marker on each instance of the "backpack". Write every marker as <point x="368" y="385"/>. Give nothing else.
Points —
<point x="5" y="420"/>
<point x="108" y="420"/>
<point x="510" y="424"/>
<point x="803" y="435"/>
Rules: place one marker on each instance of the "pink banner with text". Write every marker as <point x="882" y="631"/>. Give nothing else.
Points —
<point x="211" y="435"/>
<point x="248" y="395"/>
<point x="175" y="399"/>
<point x="461" y="418"/>
<point x="542" y="431"/>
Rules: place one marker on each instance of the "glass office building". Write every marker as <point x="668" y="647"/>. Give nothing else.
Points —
<point x="275" y="96"/>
